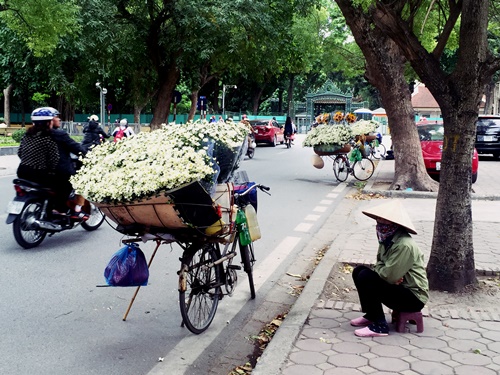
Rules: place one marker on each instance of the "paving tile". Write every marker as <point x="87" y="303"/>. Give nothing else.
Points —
<point x="463" y="334"/>
<point x="389" y="351"/>
<point x="426" y="368"/>
<point x="428" y="342"/>
<point x="326" y="313"/>
<point x="342" y="371"/>
<point x="430" y="355"/>
<point x="466" y="345"/>
<point x="494" y="346"/>
<point x="301" y="370"/>
<point x="459" y="323"/>
<point x="313" y="345"/>
<point x="316" y="333"/>
<point x="471" y="359"/>
<point x="323" y="323"/>
<point x="351" y="347"/>
<point x="389" y="364"/>
<point x="347" y="360"/>
<point x="491" y="326"/>
<point x="468" y="370"/>
<point x="308" y="358"/>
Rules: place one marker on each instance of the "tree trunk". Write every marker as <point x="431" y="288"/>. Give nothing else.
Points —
<point x="385" y="71"/>
<point x="6" y="105"/>
<point x="289" y="99"/>
<point x="256" y="100"/>
<point x="137" y="113"/>
<point x="194" y="103"/>
<point x="451" y="264"/>
<point x="489" y="92"/>
<point x="168" y="80"/>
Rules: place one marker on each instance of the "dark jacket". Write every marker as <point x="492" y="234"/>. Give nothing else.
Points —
<point x="92" y="135"/>
<point x="66" y="145"/>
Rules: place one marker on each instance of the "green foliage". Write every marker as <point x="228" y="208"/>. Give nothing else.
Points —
<point x="18" y="134"/>
<point x="39" y="98"/>
<point x="40" y="24"/>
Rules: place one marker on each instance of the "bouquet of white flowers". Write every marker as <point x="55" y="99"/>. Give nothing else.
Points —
<point x="161" y="160"/>
<point x="362" y="127"/>
<point x="328" y="135"/>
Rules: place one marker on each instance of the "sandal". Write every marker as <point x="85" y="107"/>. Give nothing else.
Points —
<point x="79" y="216"/>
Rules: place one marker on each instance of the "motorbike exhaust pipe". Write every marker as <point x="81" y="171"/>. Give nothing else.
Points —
<point x="48" y="226"/>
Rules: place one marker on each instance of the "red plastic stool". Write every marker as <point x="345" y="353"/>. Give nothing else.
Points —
<point x="400" y="319"/>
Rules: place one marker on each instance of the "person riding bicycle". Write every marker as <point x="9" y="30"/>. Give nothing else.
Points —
<point x="38" y="152"/>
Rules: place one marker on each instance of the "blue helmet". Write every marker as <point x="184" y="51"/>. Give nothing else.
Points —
<point x="44" y="113"/>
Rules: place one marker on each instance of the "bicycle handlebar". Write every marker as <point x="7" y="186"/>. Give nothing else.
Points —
<point x="263" y="188"/>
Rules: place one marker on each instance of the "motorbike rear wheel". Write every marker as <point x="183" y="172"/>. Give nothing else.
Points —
<point x="96" y="218"/>
<point x="25" y="232"/>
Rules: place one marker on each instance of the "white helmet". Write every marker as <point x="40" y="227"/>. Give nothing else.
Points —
<point x="94" y="118"/>
<point x="124" y="122"/>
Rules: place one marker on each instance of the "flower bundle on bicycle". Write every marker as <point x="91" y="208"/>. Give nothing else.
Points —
<point x="168" y="179"/>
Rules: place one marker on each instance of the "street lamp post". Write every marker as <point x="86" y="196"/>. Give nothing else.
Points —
<point x="223" y="98"/>
<point x="103" y="92"/>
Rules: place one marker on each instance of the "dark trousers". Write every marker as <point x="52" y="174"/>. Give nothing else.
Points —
<point x="374" y="292"/>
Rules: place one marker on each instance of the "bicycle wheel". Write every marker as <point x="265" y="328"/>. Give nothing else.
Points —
<point x="199" y="300"/>
<point x="363" y="169"/>
<point x="340" y="169"/>
<point x="378" y="151"/>
<point x="248" y="260"/>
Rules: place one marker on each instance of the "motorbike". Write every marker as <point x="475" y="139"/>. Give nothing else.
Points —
<point x="289" y="137"/>
<point x="251" y="145"/>
<point x="30" y="213"/>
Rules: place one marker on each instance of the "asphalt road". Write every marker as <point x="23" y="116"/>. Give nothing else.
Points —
<point x="56" y="320"/>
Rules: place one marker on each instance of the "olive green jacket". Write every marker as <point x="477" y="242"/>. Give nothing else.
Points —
<point x="403" y="259"/>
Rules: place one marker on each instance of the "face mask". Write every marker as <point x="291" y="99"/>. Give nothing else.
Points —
<point x="384" y="231"/>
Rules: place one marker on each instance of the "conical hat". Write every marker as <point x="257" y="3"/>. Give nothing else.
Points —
<point x="394" y="212"/>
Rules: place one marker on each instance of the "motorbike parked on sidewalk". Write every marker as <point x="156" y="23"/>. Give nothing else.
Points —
<point x="30" y="213"/>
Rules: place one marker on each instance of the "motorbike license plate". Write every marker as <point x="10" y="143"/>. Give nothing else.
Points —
<point x="15" y="207"/>
<point x="438" y="166"/>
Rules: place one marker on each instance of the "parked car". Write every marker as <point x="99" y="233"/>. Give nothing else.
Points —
<point x="431" y="140"/>
<point x="268" y="132"/>
<point x="488" y="135"/>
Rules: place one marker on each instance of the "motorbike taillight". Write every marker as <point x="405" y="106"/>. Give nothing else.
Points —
<point x="19" y="190"/>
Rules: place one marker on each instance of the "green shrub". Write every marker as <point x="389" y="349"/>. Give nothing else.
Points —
<point x="18" y="134"/>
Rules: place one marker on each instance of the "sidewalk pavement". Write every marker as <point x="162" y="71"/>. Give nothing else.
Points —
<point x="316" y="337"/>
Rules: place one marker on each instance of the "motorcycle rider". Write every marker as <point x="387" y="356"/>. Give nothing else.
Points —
<point x="65" y="168"/>
<point x="289" y="127"/>
<point x="38" y="152"/>
<point x="122" y="130"/>
<point x="93" y="133"/>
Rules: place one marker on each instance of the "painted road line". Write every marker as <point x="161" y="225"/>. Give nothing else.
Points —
<point x="332" y="195"/>
<point x="190" y="348"/>
<point x="326" y="201"/>
<point x="312" y="217"/>
<point x="320" y="209"/>
<point x="303" y="227"/>
<point x="339" y="187"/>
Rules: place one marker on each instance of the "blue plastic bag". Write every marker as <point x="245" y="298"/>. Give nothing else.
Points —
<point x="127" y="267"/>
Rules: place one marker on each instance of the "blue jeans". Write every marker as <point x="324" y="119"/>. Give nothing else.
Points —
<point x="374" y="292"/>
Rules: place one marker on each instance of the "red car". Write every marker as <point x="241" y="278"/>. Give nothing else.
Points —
<point x="268" y="132"/>
<point x="431" y="140"/>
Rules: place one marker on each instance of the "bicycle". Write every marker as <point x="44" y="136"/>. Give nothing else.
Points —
<point x="207" y="272"/>
<point x="362" y="168"/>
<point x="203" y="273"/>
<point x="377" y="149"/>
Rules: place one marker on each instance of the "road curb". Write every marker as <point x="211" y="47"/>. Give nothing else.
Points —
<point x="276" y="353"/>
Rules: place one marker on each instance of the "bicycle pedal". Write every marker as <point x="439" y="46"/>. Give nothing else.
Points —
<point x="234" y="267"/>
